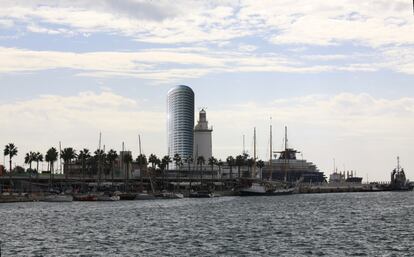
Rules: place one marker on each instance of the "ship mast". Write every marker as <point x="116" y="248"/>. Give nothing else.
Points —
<point x="139" y="143"/>
<point x="271" y="148"/>
<point x="254" y="153"/>
<point x="285" y="159"/>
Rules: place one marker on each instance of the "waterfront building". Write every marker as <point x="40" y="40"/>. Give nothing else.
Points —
<point x="180" y="121"/>
<point x="202" y="137"/>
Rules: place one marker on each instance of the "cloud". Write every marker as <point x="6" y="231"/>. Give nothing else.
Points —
<point x="162" y="65"/>
<point x="166" y="65"/>
<point x="372" y="23"/>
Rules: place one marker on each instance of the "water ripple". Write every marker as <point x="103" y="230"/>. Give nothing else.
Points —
<point x="354" y="224"/>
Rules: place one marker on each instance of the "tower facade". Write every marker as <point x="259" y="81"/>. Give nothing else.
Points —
<point x="180" y="121"/>
<point x="202" y="137"/>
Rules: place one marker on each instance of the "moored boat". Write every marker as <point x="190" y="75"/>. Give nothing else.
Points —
<point x="85" y="197"/>
<point x="108" y="198"/>
<point x="257" y="189"/>
<point x="127" y="196"/>
<point x="170" y="195"/>
<point x="201" y="194"/>
<point x="144" y="196"/>
<point x="57" y="198"/>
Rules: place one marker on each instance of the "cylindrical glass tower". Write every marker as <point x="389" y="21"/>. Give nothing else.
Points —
<point x="180" y="121"/>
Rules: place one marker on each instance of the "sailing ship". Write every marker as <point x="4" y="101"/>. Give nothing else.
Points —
<point x="257" y="189"/>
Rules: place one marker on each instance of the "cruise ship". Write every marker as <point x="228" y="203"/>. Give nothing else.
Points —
<point x="286" y="167"/>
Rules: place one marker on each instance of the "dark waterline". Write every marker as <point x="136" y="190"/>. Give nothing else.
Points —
<point x="348" y="224"/>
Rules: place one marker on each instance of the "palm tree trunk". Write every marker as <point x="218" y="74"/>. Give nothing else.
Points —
<point x="30" y="177"/>
<point x="10" y="173"/>
<point x="112" y="173"/>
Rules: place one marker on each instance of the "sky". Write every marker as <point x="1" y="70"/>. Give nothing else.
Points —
<point x="339" y="74"/>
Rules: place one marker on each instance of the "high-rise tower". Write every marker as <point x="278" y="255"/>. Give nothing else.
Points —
<point x="180" y="121"/>
<point x="202" y="137"/>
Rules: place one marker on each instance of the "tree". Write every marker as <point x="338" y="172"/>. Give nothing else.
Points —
<point x="200" y="162"/>
<point x="142" y="160"/>
<point x="51" y="157"/>
<point x="166" y="160"/>
<point x="219" y="164"/>
<point x="260" y="164"/>
<point x="230" y="162"/>
<point x="67" y="154"/>
<point x="83" y="156"/>
<point x="189" y="160"/>
<point x="39" y="158"/>
<point x="100" y="158"/>
<point x="11" y="151"/>
<point x="212" y="161"/>
<point x="153" y="160"/>
<point x="240" y="161"/>
<point x="177" y="160"/>
<point x="29" y="158"/>
<point x="250" y="162"/>
<point x="111" y="157"/>
<point x="127" y="159"/>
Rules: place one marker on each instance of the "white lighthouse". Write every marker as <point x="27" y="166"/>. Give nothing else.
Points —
<point x="202" y="137"/>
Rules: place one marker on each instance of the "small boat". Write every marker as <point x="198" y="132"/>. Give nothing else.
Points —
<point x="201" y="194"/>
<point x="127" y="196"/>
<point x="257" y="189"/>
<point x="144" y="196"/>
<point x="170" y="195"/>
<point x="57" y="198"/>
<point x="85" y="197"/>
<point x="108" y="197"/>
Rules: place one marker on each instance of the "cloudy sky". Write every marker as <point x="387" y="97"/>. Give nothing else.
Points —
<point x="339" y="74"/>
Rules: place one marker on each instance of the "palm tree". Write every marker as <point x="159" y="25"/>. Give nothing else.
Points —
<point x="153" y="160"/>
<point x="230" y="162"/>
<point x="11" y="151"/>
<point x="29" y="158"/>
<point x="250" y="162"/>
<point x="51" y="157"/>
<point x="200" y="162"/>
<point x="212" y="161"/>
<point x="240" y="161"/>
<point x="127" y="159"/>
<point x="260" y="164"/>
<point x="177" y="160"/>
<point x="67" y="154"/>
<point x="39" y="158"/>
<point x="142" y="161"/>
<point x="83" y="156"/>
<point x="167" y="160"/>
<point x="219" y="164"/>
<point x="111" y="157"/>
<point x="189" y="160"/>
<point x="100" y="157"/>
